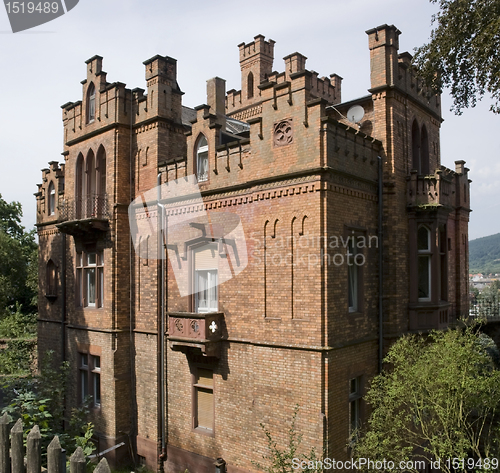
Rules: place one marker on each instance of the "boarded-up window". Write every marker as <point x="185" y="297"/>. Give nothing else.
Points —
<point x="203" y="390"/>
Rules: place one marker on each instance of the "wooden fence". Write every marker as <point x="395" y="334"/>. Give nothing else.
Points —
<point x="14" y="458"/>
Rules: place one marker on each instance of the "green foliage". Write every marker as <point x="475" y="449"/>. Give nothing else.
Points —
<point x="18" y="262"/>
<point x="463" y="52"/>
<point x="85" y="441"/>
<point x="19" y="333"/>
<point x="52" y="384"/>
<point x="17" y="357"/>
<point x="281" y="460"/>
<point x="32" y="410"/>
<point x="440" y="398"/>
<point x="484" y="255"/>
<point x="18" y="325"/>
<point x="40" y="401"/>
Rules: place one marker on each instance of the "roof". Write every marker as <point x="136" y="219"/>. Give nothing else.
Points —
<point x="233" y="126"/>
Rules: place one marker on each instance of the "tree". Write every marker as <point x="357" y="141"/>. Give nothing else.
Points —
<point x="463" y="52"/>
<point x="18" y="262"/>
<point x="288" y="459"/>
<point x="440" y="399"/>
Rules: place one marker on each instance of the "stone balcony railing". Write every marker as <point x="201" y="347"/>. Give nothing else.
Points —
<point x="201" y="331"/>
<point x="427" y="192"/>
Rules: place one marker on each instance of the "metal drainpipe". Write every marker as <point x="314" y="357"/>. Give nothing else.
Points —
<point x="133" y="382"/>
<point x="161" y="333"/>
<point x="63" y="290"/>
<point x="381" y="267"/>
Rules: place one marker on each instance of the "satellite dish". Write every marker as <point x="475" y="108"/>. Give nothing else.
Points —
<point x="356" y="113"/>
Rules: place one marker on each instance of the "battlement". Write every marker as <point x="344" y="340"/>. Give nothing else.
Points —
<point x="257" y="76"/>
<point x="390" y="69"/>
<point x="259" y="47"/>
<point x="50" y="193"/>
<point x="161" y="66"/>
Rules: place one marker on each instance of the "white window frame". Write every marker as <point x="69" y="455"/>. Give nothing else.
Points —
<point x="52" y="199"/>
<point x="211" y="290"/>
<point x="84" y="376"/>
<point x="96" y="380"/>
<point x="89" y="367"/>
<point x="90" y="272"/>
<point x="84" y="269"/>
<point x="202" y="160"/>
<point x="91" y="96"/>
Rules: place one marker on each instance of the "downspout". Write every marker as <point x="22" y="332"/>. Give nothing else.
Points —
<point x="133" y="382"/>
<point x="161" y="329"/>
<point x="380" y="268"/>
<point x="63" y="290"/>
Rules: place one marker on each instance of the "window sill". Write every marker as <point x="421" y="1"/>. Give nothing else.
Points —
<point x="355" y="313"/>
<point x="204" y="431"/>
<point x="51" y="297"/>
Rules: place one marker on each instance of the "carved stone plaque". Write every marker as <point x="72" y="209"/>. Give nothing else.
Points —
<point x="283" y="133"/>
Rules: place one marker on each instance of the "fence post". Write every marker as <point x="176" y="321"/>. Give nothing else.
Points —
<point x="77" y="463"/>
<point x="17" y="447"/>
<point x="103" y="467"/>
<point x="33" y="452"/>
<point x="4" y="444"/>
<point x="54" y="456"/>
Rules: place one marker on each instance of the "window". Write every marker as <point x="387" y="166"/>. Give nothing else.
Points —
<point x="424" y="152"/>
<point x="205" y="278"/>
<point x="90" y="185"/>
<point x="250" y="85"/>
<point x="89" y="279"/>
<point x="96" y="380"/>
<point x="202" y="160"/>
<point x="424" y="263"/>
<point x="354" y="405"/>
<point x="51" y="279"/>
<point x="80" y="187"/>
<point x="415" y="141"/>
<point x="420" y="149"/>
<point x="443" y="263"/>
<point x="52" y="199"/>
<point x="84" y="376"/>
<point x="353" y="274"/>
<point x="90" y="378"/>
<point x="91" y="103"/>
<point x="203" y="400"/>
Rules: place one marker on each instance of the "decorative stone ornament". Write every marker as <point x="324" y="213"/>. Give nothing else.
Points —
<point x="283" y="133"/>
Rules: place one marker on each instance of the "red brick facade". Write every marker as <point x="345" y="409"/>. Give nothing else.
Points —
<point x="298" y="324"/>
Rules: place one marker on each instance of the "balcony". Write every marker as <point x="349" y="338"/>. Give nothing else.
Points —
<point x="84" y="215"/>
<point x="431" y="316"/>
<point x="199" y="331"/>
<point x="430" y="192"/>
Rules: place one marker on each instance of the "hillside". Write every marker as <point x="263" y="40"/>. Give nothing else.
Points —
<point x="484" y="254"/>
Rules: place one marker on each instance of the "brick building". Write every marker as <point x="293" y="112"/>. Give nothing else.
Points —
<point x="354" y="234"/>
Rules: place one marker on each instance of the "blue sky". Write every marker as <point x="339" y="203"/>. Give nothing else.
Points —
<point x="42" y="69"/>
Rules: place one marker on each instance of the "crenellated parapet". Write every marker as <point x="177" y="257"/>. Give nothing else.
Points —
<point x="50" y="194"/>
<point x="256" y="61"/>
<point x="390" y="69"/>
